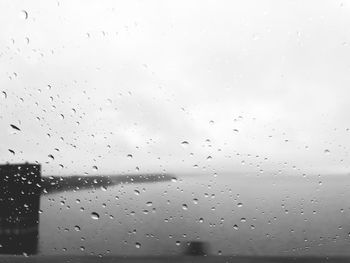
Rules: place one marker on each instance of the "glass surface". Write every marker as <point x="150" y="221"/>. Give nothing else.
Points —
<point x="174" y="130"/>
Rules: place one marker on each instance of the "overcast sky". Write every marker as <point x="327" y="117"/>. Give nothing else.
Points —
<point x="257" y="86"/>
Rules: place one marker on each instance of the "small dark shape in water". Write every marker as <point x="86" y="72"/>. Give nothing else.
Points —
<point x="196" y="248"/>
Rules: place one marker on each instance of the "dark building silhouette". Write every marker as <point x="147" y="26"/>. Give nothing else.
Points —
<point x="19" y="208"/>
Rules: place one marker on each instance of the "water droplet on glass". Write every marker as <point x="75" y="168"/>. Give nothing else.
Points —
<point x="239" y="204"/>
<point x="129" y="156"/>
<point x="327" y="151"/>
<point x="94" y="168"/>
<point x="24" y="14"/>
<point x="235" y="227"/>
<point x="77" y="228"/>
<point x="137" y="192"/>
<point x="184" y="207"/>
<point x="12" y="151"/>
<point x="185" y="144"/>
<point x="4" y="94"/>
<point x="15" y="127"/>
<point x="95" y="216"/>
<point x="149" y="203"/>
<point x="137" y="245"/>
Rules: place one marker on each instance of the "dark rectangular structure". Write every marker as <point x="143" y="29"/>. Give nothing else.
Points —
<point x="19" y="208"/>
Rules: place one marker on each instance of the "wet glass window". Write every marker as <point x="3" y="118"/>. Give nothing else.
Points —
<point x="189" y="131"/>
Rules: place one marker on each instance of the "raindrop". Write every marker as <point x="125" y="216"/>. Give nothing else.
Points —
<point x="15" y="127"/>
<point x="327" y="151"/>
<point x="239" y="204"/>
<point x="209" y="158"/>
<point x="235" y="130"/>
<point x="235" y="227"/>
<point x="12" y="151"/>
<point x="24" y="14"/>
<point x="77" y="228"/>
<point x="95" y="168"/>
<point x="149" y="203"/>
<point x="129" y="156"/>
<point x="137" y="245"/>
<point x="95" y="216"/>
<point x="51" y="156"/>
<point x="184" y="207"/>
<point x="4" y="94"/>
<point x="178" y="243"/>
<point x="185" y="144"/>
<point x="137" y="192"/>
<point x="82" y="248"/>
